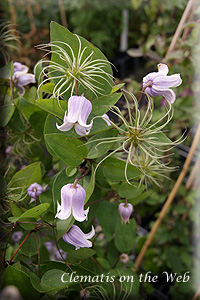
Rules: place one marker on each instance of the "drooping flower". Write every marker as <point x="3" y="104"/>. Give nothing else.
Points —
<point x="72" y="202"/>
<point x="16" y="236"/>
<point x="34" y="189"/>
<point x="77" y="238"/>
<point x="124" y="258"/>
<point x="159" y="84"/>
<point x="21" y="77"/>
<point x="79" y="109"/>
<point x="125" y="211"/>
<point x="84" y="294"/>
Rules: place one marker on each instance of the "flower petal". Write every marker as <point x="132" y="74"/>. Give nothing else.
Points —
<point x="106" y="118"/>
<point x="74" y="107"/>
<point x="65" y="126"/>
<point x="25" y="79"/>
<point x="64" y="210"/>
<point x="167" y="81"/>
<point x="84" y="112"/>
<point x="162" y="68"/>
<point x="75" y="236"/>
<point x="168" y="94"/>
<point x="78" y="200"/>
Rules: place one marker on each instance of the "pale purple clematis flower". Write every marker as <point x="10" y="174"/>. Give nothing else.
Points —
<point x="77" y="238"/>
<point x="79" y="109"/>
<point x="34" y="189"/>
<point x="84" y="294"/>
<point x="125" y="211"/>
<point x="124" y="258"/>
<point x="72" y="202"/>
<point x="106" y="118"/>
<point x="16" y="236"/>
<point x="21" y="77"/>
<point x="159" y="84"/>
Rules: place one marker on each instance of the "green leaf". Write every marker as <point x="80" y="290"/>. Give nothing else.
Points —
<point x="102" y="104"/>
<point x="53" y="106"/>
<point x="62" y="226"/>
<point x="107" y="215"/>
<point x="25" y="177"/>
<point x="7" y="71"/>
<point x="21" y="280"/>
<point x="47" y="87"/>
<point x="114" y="169"/>
<point x="51" y="280"/>
<point x="128" y="191"/>
<point x="71" y="151"/>
<point x="71" y="171"/>
<point x="29" y="248"/>
<point x="16" y="211"/>
<point x="125" y="235"/>
<point x="7" y="111"/>
<point x="116" y="87"/>
<point x="60" y="33"/>
<point x="34" y="212"/>
<point x="80" y="254"/>
<point x="94" y="149"/>
<point x="33" y="113"/>
<point x="103" y="262"/>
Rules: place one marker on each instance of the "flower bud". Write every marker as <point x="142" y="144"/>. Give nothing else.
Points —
<point x="84" y="294"/>
<point x="16" y="236"/>
<point x="124" y="258"/>
<point x="125" y="211"/>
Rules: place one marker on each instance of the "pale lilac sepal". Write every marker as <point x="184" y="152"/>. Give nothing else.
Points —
<point x="77" y="238"/>
<point x="160" y="84"/>
<point x="106" y="118"/>
<point x="79" y="109"/>
<point x="125" y="211"/>
<point x="34" y="189"/>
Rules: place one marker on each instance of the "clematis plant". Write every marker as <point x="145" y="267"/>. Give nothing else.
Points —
<point x="159" y="84"/>
<point x="79" y="109"/>
<point x="109" y="159"/>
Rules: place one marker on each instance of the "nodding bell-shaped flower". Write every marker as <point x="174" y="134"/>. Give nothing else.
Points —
<point x="125" y="211"/>
<point x="35" y="189"/>
<point x="77" y="238"/>
<point x="159" y="84"/>
<point x="72" y="202"/>
<point x="79" y="109"/>
<point x="21" y="77"/>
